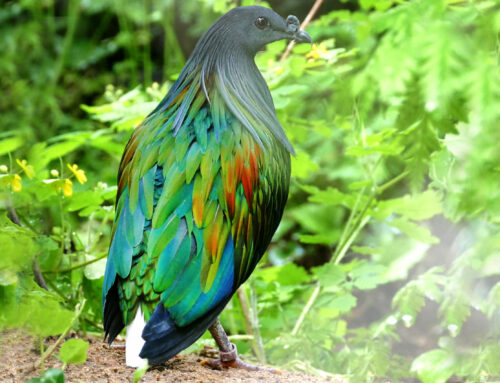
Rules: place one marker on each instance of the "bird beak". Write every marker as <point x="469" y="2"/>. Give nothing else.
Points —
<point x="294" y="32"/>
<point x="302" y="37"/>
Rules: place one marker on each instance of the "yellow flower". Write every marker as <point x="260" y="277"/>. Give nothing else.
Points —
<point x="79" y="173"/>
<point x="4" y="169"/>
<point x="67" y="188"/>
<point x="316" y="52"/>
<point x="28" y="169"/>
<point x="279" y="70"/>
<point x="54" y="173"/>
<point x="16" y="183"/>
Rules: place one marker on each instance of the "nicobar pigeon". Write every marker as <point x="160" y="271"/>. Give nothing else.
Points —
<point x="202" y="185"/>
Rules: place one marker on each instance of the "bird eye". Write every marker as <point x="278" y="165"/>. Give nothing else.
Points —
<point x="261" y="22"/>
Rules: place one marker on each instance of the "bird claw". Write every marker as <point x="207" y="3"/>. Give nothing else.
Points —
<point x="230" y="359"/>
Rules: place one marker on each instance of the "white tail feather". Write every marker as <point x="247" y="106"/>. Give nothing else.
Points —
<point x="134" y="341"/>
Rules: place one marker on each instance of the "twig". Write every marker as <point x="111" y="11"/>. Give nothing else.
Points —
<point x="391" y="182"/>
<point x="261" y="354"/>
<point x="104" y="255"/>
<point x="306" y="309"/>
<point x="244" y="306"/>
<point x="37" y="274"/>
<point x="50" y="350"/>
<point x="304" y="25"/>
<point x="12" y="211"/>
<point x="248" y="320"/>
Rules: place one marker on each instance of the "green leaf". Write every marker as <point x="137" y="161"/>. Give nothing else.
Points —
<point x="456" y="310"/>
<point x="74" y="351"/>
<point x="414" y="231"/>
<point x="288" y="274"/>
<point x="51" y="318"/>
<point x="344" y="303"/>
<point x="418" y="206"/>
<point x="18" y="249"/>
<point x="329" y="274"/>
<point x="52" y="375"/>
<point x="367" y="276"/>
<point x="55" y="151"/>
<point x="409" y="301"/>
<point x="318" y="239"/>
<point x="139" y="373"/>
<point x="96" y="269"/>
<point x="434" y="366"/>
<point x="8" y="145"/>
<point x="302" y="165"/>
<point x="332" y="196"/>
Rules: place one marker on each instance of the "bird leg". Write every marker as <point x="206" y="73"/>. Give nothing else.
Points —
<point x="228" y="354"/>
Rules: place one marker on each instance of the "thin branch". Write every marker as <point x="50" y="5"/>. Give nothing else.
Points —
<point x="37" y="273"/>
<point x="304" y="25"/>
<point x="261" y="354"/>
<point x="246" y="312"/>
<point x="248" y="320"/>
<point x="50" y="350"/>
<point x="392" y="182"/>
<point x="306" y="309"/>
<point x="12" y="211"/>
<point x="103" y="255"/>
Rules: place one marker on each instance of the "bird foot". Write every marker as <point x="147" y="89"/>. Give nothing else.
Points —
<point x="230" y="359"/>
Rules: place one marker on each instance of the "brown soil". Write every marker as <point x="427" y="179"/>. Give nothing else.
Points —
<point x="104" y="364"/>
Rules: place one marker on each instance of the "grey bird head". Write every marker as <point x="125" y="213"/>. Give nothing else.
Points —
<point x="254" y="27"/>
<point x="222" y="64"/>
<point x="249" y="29"/>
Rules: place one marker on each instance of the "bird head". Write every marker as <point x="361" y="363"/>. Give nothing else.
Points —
<point x="251" y="28"/>
<point x="222" y="64"/>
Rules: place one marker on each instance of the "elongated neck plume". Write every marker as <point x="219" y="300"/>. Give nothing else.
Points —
<point x="226" y="70"/>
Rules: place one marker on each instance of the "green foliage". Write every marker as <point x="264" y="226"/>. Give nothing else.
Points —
<point x="52" y="375"/>
<point x="395" y="194"/>
<point x="139" y="373"/>
<point x="74" y="351"/>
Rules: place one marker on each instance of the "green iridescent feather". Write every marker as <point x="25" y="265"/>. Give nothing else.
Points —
<point x="202" y="186"/>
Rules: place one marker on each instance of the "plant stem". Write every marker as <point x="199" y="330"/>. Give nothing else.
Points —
<point x="261" y="355"/>
<point x="37" y="273"/>
<point x="42" y="365"/>
<point x="304" y="25"/>
<point x="74" y="267"/>
<point x="57" y="290"/>
<point x="172" y="52"/>
<point x="146" y="53"/>
<point x="351" y="239"/>
<point x="306" y="309"/>
<point x="99" y="232"/>
<point x="50" y="350"/>
<point x="12" y="211"/>
<point x="392" y="182"/>
<point x="242" y="296"/>
<point x="73" y="16"/>
<point x="130" y="46"/>
<point x="244" y="306"/>
<point x="344" y="244"/>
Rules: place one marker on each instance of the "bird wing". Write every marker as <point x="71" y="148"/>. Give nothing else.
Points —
<point x="195" y="210"/>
